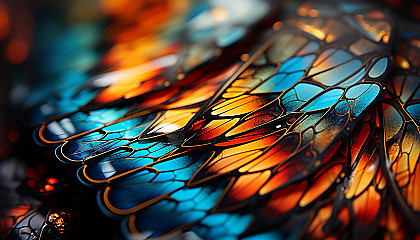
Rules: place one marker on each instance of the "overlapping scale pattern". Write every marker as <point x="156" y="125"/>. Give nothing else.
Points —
<point x="307" y="136"/>
<point x="400" y="130"/>
<point x="273" y="129"/>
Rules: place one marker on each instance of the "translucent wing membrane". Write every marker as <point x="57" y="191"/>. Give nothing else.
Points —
<point x="272" y="134"/>
<point x="382" y="158"/>
<point x="303" y="138"/>
<point x="309" y="111"/>
<point x="400" y="121"/>
<point x="175" y="108"/>
<point x="359" y="200"/>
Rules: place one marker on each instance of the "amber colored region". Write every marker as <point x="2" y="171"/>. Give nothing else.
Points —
<point x="412" y="191"/>
<point x="276" y="155"/>
<point x="193" y="96"/>
<point x="215" y="128"/>
<point x="240" y="105"/>
<point x="393" y="222"/>
<point x="288" y="170"/>
<point x="315" y="229"/>
<point x="113" y="7"/>
<point x="245" y="153"/>
<point x="49" y="188"/>
<point x="136" y="34"/>
<point x="203" y="91"/>
<point x="366" y="206"/>
<point x="253" y="121"/>
<point x="137" y="85"/>
<point x="248" y="185"/>
<point x="52" y="181"/>
<point x="362" y="175"/>
<point x="228" y="161"/>
<point x="361" y="138"/>
<point x="325" y="180"/>
<point x="137" y="29"/>
<point x="286" y="199"/>
<point x="57" y="221"/>
<point x="18" y="210"/>
<point x="173" y="120"/>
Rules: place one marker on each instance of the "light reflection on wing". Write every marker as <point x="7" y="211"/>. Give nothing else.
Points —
<point x="274" y="145"/>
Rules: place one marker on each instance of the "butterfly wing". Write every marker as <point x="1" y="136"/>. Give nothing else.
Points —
<point x="282" y="137"/>
<point x="373" y="192"/>
<point x="272" y="138"/>
<point x="400" y="130"/>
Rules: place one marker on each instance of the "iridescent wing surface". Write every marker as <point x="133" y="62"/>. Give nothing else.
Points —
<point x="278" y="123"/>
